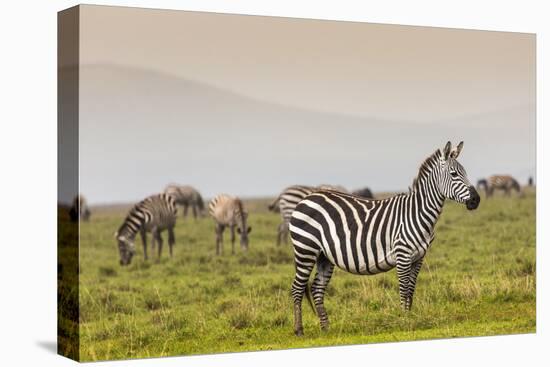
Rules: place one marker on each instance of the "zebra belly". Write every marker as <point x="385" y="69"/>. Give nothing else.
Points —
<point x="161" y="227"/>
<point x="381" y="266"/>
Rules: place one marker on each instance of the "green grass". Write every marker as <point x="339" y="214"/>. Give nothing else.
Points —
<point x="478" y="279"/>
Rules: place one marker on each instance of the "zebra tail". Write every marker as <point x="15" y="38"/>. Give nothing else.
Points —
<point x="309" y="297"/>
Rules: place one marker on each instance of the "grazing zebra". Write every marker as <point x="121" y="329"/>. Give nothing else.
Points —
<point x="153" y="214"/>
<point x="365" y="236"/>
<point x="186" y="196"/>
<point x="79" y="209"/>
<point x="228" y="211"/>
<point x="482" y="185"/>
<point x="502" y="182"/>
<point x="365" y="193"/>
<point x="286" y="202"/>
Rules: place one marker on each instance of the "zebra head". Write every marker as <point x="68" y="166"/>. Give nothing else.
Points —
<point x="453" y="182"/>
<point x="126" y="249"/>
<point x="243" y="230"/>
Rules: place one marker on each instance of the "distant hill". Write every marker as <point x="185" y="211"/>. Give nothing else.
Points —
<point x="142" y="129"/>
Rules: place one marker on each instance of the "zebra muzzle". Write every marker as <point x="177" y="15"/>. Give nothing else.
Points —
<point x="473" y="202"/>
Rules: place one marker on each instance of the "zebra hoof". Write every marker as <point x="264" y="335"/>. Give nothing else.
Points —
<point x="299" y="332"/>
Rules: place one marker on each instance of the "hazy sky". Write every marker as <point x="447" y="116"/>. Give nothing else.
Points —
<point x="249" y="104"/>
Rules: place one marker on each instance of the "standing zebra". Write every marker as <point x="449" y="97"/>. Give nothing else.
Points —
<point x="229" y="211"/>
<point x="186" y="196"/>
<point x="79" y="209"/>
<point x="367" y="237"/>
<point x="286" y="202"/>
<point x="153" y="214"/>
<point x="365" y="193"/>
<point x="502" y="182"/>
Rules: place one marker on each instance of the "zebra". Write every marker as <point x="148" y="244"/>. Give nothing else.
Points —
<point x="482" y="185"/>
<point x="502" y="182"/>
<point x="286" y="202"/>
<point x="365" y="193"/>
<point x="153" y="214"/>
<point x="186" y="196"/>
<point x="228" y="211"/>
<point x="367" y="236"/>
<point x="79" y="209"/>
<point x="332" y="187"/>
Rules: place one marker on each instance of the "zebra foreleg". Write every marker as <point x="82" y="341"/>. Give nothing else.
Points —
<point x="144" y="243"/>
<point x="322" y="278"/>
<point x="185" y="208"/>
<point x="304" y="266"/>
<point x="171" y="239"/>
<point x="158" y="238"/>
<point x="415" y="269"/>
<point x="219" y="239"/>
<point x="194" y="207"/>
<point x="232" y="231"/>
<point x="403" y="266"/>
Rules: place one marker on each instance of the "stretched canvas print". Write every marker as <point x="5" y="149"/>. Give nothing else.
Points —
<point x="240" y="183"/>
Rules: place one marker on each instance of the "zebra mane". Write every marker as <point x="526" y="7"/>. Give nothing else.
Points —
<point x="240" y="205"/>
<point x="424" y="170"/>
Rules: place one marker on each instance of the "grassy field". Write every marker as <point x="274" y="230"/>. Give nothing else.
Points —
<point x="478" y="279"/>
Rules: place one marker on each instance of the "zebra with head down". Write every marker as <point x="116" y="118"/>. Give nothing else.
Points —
<point x="365" y="236"/>
<point x="153" y="214"/>
<point x="504" y="183"/>
<point x="229" y="211"/>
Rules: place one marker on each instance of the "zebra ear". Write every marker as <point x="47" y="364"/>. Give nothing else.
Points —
<point x="456" y="151"/>
<point x="447" y="150"/>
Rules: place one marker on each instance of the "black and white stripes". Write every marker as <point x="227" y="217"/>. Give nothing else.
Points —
<point x="153" y="214"/>
<point x="363" y="236"/>
<point x="286" y="202"/>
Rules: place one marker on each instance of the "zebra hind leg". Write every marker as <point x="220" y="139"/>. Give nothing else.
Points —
<point x="304" y="266"/>
<point x="322" y="278"/>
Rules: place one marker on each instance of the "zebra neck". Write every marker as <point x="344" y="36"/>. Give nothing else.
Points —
<point x="128" y="232"/>
<point x="131" y="226"/>
<point x="429" y="198"/>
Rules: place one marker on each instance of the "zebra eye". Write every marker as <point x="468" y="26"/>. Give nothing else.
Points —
<point x="454" y="174"/>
